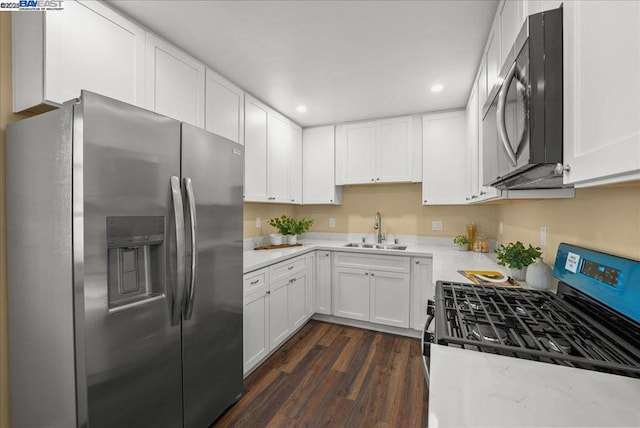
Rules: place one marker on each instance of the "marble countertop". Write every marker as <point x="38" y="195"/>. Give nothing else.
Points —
<point x="469" y="388"/>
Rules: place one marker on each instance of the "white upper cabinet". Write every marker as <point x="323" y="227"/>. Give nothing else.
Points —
<point x="318" y="166"/>
<point x="295" y="164"/>
<point x="375" y="152"/>
<point x="175" y="82"/>
<point x="601" y="92"/>
<point x="473" y="158"/>
<point x="356" y="152"/>
<point x="255" y="151"/>
<point x="445" y="180"/>
<point x="85" y="46"/>
<point x="492" y="59"/>
<point x="278" y="148"/>
<point x="394" y="150"/>
<point x="511" y="17"/>
<point x="273" y="155"/>
<point x="224" y="107"/>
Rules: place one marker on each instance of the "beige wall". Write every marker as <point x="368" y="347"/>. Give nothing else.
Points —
<point x="399" y="204"/>
<point x="605" y="219"/>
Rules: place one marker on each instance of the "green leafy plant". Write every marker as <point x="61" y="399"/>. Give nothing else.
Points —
<point x="514" y="255"/>
<point x="282" y="224"/>
<point x="461" y="240"/>
<point x="298" y="227"/>
<point x="290" y="226"/>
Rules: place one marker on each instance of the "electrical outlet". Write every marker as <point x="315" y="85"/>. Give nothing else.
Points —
<point x="258" y="222"/>
<point x="543" y="236"/>
<point x="436" y="225"/>
<point x="332" y="222"/>
<point x="500" y="228"/>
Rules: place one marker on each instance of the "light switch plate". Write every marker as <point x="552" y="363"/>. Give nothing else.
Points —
<point x="332" y="222"/>
<point x="543" y="236"/>
<point x="258" y="222"/>
<point x="436" y="225"/>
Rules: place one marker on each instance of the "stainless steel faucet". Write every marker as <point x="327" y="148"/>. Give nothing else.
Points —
<point x="377" y="224"/>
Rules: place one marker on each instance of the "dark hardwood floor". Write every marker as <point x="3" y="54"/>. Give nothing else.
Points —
<point x="335" y="376"/>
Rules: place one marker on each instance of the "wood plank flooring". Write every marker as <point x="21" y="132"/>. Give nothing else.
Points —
<point x="330" y="375"/>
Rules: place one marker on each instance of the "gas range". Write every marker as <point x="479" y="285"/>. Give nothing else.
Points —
<point x="593" y="322"/>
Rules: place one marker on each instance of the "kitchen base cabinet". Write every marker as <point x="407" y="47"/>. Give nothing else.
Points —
<point x="279" y="327"/>
<point x="422" y="289"/>
<point x="298" y="300"/>
<point x="311" y="284"/>
<point x="371" y="287"/>
<point x="389" y="298"/>
<point x="351" y="293"/>
<point x="255" y="329"/>
<point x="323" y="282"/>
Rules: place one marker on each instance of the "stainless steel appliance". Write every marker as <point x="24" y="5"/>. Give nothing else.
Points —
<point x="125" y="268"/>
<point x="592" y="323"/>
<point x="522" y="119"/>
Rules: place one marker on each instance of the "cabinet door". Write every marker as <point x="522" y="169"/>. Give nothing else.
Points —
<point x="255" y="152"/>
<point x="351" y="293"/>
<point x="390" y="298"/>
<point x="492" y="56"/>
<point x="511" y="16"/>
<point x="298" y="300"/>
<point x="279" y="325"/>
<point x="473" y="158"/>
<point x="295" y="164"/>
<point x="85" y="46"/>
<point x="224" y="107"/>
<point x="175" y="82"/>
<point x="323" y="282"/>
<point x="359" y="152"/>
<point x="422" y="289"/>
<point x="602" y="113"/>
<point x="311" y="284"/>
<point x="278" y="148"/>
<point x="444" y="160"/>
<point x="393" y="150"/>
<point x="318" y="165"/>
<point x="482" y="88"/>
<point x="255" y="328"/>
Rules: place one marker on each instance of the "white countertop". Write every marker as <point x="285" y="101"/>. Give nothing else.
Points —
<point x="469" y="388"/>
<point x="447" y="260"/>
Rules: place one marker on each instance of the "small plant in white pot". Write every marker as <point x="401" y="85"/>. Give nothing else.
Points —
<point x="462" y="241"/>
<point x="517" y="257"/>
<point x="298" y="227"/>
<point x="282" y="226"/>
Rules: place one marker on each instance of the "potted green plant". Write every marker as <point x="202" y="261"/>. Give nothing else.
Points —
<point x="517" y="257"/>
<point x="282" y="225"/>
<point x="462" y="241"/>
<point x="297" y="227"/>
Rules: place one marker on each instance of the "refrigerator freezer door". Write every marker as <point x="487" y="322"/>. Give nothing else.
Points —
<point x="133" y="360"/>
<point x="212" y="336"/>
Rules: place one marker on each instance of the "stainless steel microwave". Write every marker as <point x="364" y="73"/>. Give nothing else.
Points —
<point x="522" y="118"/>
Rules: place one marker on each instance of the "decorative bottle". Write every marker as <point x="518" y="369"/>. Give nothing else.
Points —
<point x="539" y="275"/>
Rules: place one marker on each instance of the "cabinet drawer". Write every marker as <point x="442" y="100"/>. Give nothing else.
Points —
<point x="255" y="281"/>
<point x="287" y="268"/>
<point x="372" y="261"/>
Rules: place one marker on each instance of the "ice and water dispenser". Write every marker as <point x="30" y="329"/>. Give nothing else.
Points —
<point x="135" y="258"/>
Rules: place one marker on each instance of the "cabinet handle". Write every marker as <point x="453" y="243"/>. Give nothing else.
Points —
<point x="372" y="274"/>
<point x="377" y="179"/>
<point x="331" y="200"/>
<point x="424" y="202"/>
<point x="483" y="193"/>
<point x="268" y="291"/>
<point x="292" y="280"/>
<point x="417" y="262"/>
<point x="366" y="273"/>
<point x="474" y="196"/>
<point x="290" y="267"/>
<point x="373" y="179"/>
<point x="255" y="282"/>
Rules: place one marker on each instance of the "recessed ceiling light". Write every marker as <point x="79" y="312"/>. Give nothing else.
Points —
<point x="437" y="88"/>
<point x="301" y="108"/>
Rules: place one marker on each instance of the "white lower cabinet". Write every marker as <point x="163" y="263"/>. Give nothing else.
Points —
<point x="255" y="329"/>
<point x="389" y="298"/>
<point x="351" y="293"/>
<point x="278" y="313"/>
<point x="422" y="289"/>
<point x="298" y="300"/>
<point x="362" y="290"/>
<point x="323" y="282"/>
<point x="311" y="284"/>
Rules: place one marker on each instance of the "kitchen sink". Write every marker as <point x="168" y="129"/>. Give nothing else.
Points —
<point x="377" y="246"/>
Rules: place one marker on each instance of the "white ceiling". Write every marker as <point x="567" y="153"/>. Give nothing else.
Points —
<point x="344" y="60"/>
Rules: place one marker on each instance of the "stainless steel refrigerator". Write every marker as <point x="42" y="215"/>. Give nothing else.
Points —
<point x="124" y="268"/>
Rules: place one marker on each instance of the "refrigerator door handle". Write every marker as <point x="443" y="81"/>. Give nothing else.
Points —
<point x="191" y="202"/>
<point x="179" y="284"/>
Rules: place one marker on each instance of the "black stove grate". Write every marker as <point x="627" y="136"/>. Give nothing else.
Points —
<point x="530" y="324"/>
